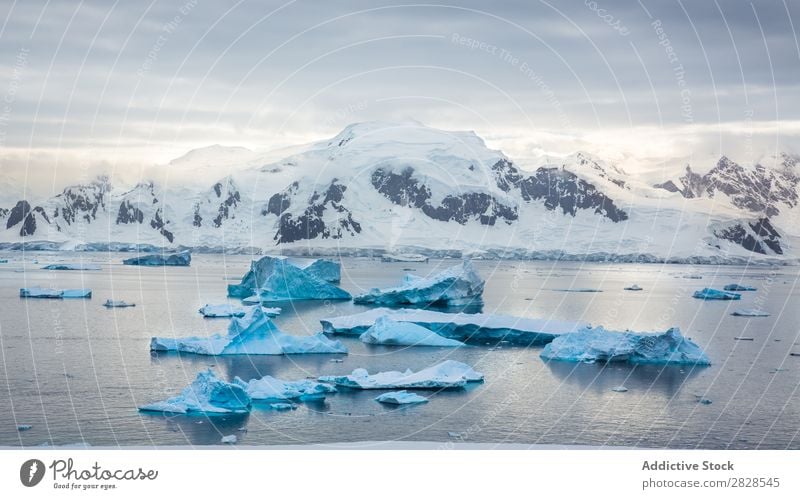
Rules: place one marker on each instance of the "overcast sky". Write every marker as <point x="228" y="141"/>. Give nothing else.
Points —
<point x="131" y="83"/>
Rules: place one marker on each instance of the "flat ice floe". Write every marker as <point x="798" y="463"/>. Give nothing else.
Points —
<point x="738" y="287"/>
<point x="750" y="312"/>
<point x="400" y="398"/>
<point x="273" y="279"/>
<point x="447" y="374"/>
<point x="252" y="334"/>
<point x="54" y="293"/>
<point x="457" y="285"/>
<point x="715" y="294"/>
<point x="206" y="395"/>
<point x="182" y="259"/>
<point x="118" y="304"/>
<point x="601" y="345"/>
<point x="71" y="266"/>
<point x="469" y="328"/>
<point x="274" y="389"/>
<point x="222" y="310"/>
<point x="386" y="331"/>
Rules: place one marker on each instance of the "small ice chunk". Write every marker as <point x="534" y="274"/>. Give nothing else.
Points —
<point x="447" y="374"/>
<point x="206" y="395"/>
<point x="71" y="266"/>
<point x="738" y="287"/>
<point x="77" y="293"/>
<point x="222" y="310"/>
<point x="40" y="293"/>
<point x="24" y="427"/>
<point x="337" y="361"/>
<point x="580" y="290"/>
<point x="715" y="294"/>
<point x="283" y="406"/>
<point x="385" y="331"/>
<point x="598" y="344"/>
<point x="619" y="389"/>
<point x="634" y="287"/>
<point x="704" y="401"/>
<point x="749" y="312"/>
<point x="117" y="304"/>
<point x="229" y="439"/>
<point x="182" y="259"/>
<point x="404" y="257"/>
<point x="400" y="398"/>
<point x="456" y="285"/>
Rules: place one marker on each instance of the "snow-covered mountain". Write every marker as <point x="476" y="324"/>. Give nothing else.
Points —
<point x="395" y="186"/>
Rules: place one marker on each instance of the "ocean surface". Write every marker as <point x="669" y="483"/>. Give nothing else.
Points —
<point x="76" y="371"/>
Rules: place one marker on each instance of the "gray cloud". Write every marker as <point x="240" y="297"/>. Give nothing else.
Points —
<point x="137" y="82"/>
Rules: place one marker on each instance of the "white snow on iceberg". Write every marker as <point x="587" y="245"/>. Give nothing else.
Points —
<point x="206" y="395"/>
<point x="468" y="328"/>
<point x="273" y="389"/>
<point x="253" y="334"/>
<point x="400" y="398"/>
<point x="599" y="345"/>
<point x="273" y="279"/>
<point x="447" y="374"/>
<point x="457" y="285"/>
<point x="386" y="331"/>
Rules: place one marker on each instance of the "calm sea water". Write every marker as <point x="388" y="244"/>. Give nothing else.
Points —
<point x="76" y="371"/>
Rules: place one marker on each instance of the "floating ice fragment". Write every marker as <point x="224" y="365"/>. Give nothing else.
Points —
<point x="400" y="398"/>
<point x="229" y="439"/>
<point x="715" y="294"/>
<point x="447" y="374"/>
<point x="269" y="388"/>
<point x="749" y="312"/>
<point x="71" y="266"/>
<point x="182" y="259"/>
<point x="385" y="331"/>
<point x="206" y="395"/>
<point x="272" y="279"/>
<point x="738" y="287"/>
<point x="117" y="304"/>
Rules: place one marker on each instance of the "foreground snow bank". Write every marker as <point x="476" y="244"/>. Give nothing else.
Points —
<point x="448" y="374"/>
<point x="274" y="389"/>
<point x="182" y="259"/>
<point x="456" y="285"/>
<point x="54" y="293"/>
<point x="278" y="279"/>
<point x="252" y="334"/>
<point x="386" y="331"/>
<point x="715" y="294"/>
<point x="469" y="328"/>
<point x="206" y="395"/>
<point x="598" y="344"/>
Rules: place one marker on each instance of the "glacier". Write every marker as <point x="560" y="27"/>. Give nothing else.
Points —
<point x="715" y="294"/>
<point x="206" y="395"/>
<point x="386" y="331"/>
<point x="738" y="287"/>
<point x="71" y="266"/>
<point x="447" y="374"/>
<point x="276" y="390"/>
<point x="457" y="285"/>
<point x="54" y="293"/>
<point x="252" y="334"/>
<point x="467" y="328"/>
<point x="400" y="398"/>
<point x="182" y="259"/>
<point x="600" y="345"/>
<point x="273" y="279"/>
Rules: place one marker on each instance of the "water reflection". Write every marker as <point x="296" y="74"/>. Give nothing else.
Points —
<point x="601" y="377"/>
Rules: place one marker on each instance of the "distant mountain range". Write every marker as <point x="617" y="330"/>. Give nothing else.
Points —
<point x="379" y="187"/>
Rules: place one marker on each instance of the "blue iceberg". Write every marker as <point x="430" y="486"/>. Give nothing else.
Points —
<point x="467" y="328"/>
<point x="182" y="259"/>
<point x="54" y="293"/>
<point x="458" y="285"/>
<point x="252" y="334"/>
<point x="738" y="287"/>
<point x="386" y="331"/>
<point x="715" y="294"/>
<point x="400" y="398"/>
<point x="277" y="390"/>
<point x="600" y="345"/>
<point x="206" y="395"/>
<point x="447" y="374"/>
<point x="278" y="279"/>
<point x="223" y="310"/>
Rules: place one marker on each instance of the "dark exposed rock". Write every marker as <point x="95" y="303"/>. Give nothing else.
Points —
<point x="405" y="190"/>
<point x="82" y="201"/>
<point x="129" y="213"/>
<point x="23" y="214"/>
<point x="223" y="213"/>
<point x="757" y="236"/>
<point x="563" y="189"/>
<point x="310" y="224"/>
<point x="159" y="224"/>
<point x="281" y="201"/>
<point x="197" y="220"/>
